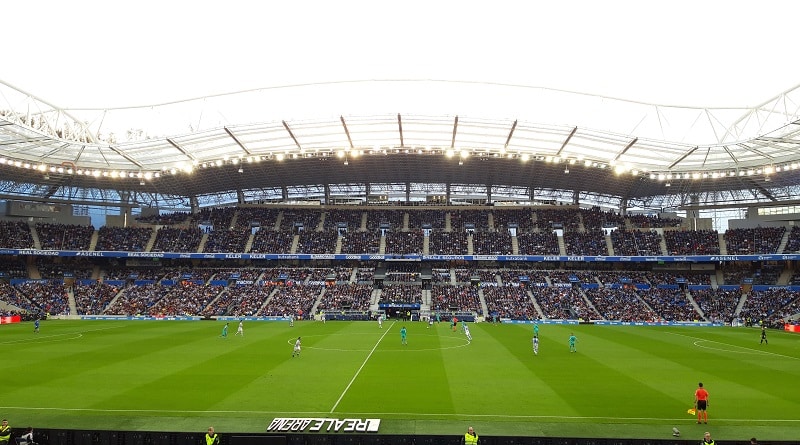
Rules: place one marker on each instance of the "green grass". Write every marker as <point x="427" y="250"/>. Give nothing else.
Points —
<point x="624" y="381"/>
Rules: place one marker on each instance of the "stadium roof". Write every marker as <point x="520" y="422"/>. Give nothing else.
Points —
<point x="413" y="128"/>
<point x="55" y="147"/>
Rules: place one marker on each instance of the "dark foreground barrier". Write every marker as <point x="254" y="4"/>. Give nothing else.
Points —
<point x="77" y="437"/>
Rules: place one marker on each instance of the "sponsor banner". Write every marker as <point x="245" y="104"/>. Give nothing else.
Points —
<point x="250" y="318"/>
<point x="410" y="257"/>
<point x="322" y="425"/>
<point x="730" y="287"/>
<point x="10" y="319"/>
<point x="16" y="281"/>
<point x="138" y="317"/>
<point x="180" y="318"/>
<point x="620" y="323"/>
<point x="656" y="323"/>
<point x="792" y="328"/>
<point x="549" y="321"/>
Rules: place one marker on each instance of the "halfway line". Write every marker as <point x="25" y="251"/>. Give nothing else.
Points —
<point x="360" y="368"/>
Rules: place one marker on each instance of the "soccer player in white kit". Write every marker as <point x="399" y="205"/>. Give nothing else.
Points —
<point x="240" y="330"/>
<point x="466" y="332"/>
<point x="296" y="351"/>
<point x="380" y="321"/>
<point x="535" y="345"/>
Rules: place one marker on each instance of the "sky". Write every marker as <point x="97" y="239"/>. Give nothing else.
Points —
<point x="101" y="54"/>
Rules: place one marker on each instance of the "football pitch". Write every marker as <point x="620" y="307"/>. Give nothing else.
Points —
<point x="623" y="381"/>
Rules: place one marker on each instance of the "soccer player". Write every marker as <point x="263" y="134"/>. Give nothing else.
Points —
<point x="403" y="335"/>
<point x="430" y="321"/>
<point x="764" y="335"/>
<point x="240" y="329"/>
<point x="36" y="326"/>
<point x="535" y="329"/>
<point x="322" y="316"/>
<point x="291" y="320"/>
<point x="572" y="340"/>
<point x="296" y="351"/>
<point x="380" y="321"/>
<point x="535" y="344"/>
<point x="466" y="331"/>
<point x="701" y="403"/>
<point x="224" y="331"/>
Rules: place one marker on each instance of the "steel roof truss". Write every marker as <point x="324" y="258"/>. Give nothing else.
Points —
<point x="238" y="142"/>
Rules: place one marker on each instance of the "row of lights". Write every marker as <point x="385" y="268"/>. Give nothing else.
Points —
<point x="46" y="169"/>
<point x="345" y="154"/>
<point x="758" y="171"/>
<point x="348" y="153"/>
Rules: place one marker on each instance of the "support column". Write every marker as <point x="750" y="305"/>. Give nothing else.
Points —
<point x="194" y="205"/>
<point x="447" y="194"/>
<point x="408" y="192"/>
<point x="488" y="193"/>
<point x="240" y="196"/>
<point x="575" y="197"/>
<point x="327" y="194"/>
<point x="285" y="193"/>
<point x="623" y="207"/>
<point x="694" y="201"/>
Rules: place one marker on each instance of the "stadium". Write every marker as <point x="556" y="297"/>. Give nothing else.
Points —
<point x="661" y="236"/>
